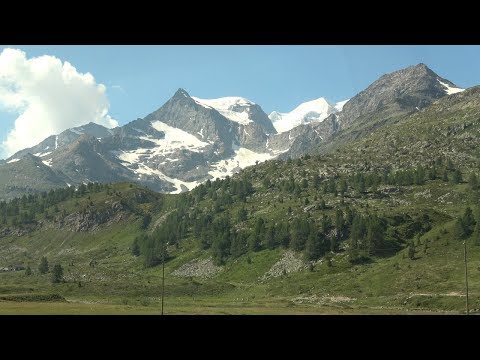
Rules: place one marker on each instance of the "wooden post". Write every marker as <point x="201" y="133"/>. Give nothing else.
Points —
<point x="466" y="273"/>
<point x="163" y="276"/>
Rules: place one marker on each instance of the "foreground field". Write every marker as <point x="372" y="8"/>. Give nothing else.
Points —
<point x="73" y="308"/>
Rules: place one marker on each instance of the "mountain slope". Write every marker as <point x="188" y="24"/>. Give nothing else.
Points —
<point x="50" y="144"/>
<point x="28" y="175"/>
<point x="392" y="97"/>
<point x="400" y="92"/>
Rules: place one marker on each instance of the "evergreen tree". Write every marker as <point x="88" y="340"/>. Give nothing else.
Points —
<point x="270" y="238"/>
<point x="360" y="183"/>
<point x="325" y="188"/>
<point x="43" y="267"/>
<point x="238" y="245"/>
<point x="348" y="215"/>
<point x="312" y="248"/>
<point x="468" y="221"/>
<point x="450" y="165"/>
<point x="323" y="205"/>
<point x="298" y="190"/>
<point x="420" y="175"/>
<point x="147" y="218"/>
<point x="445" y="176"/>
<point x="57" y="273"/>
<point x="304" y="183"/>
<point x="254" y="242"/>
<point x="457" y="177"/>
<point x="266" y="183"/>
<point x="332" y="186"/>
<point x="459" y="229"/>
<point x="220" y="248"/>
<point x="316" y="181"/>
<point x="357" y="231"/>
<point x="282" y="234"/>
<point x="299" y="233"/>
<point x="242" y="214"/>
<point x="260" y="227"/>
<point x="339" y="224"/>
<point x="343" y="187"/>
<point x="291" y="184"/>
<point x="136" y="247"/>
<point x="473" y="181"/>
<point x="477" y="231"/>
<point x="411" y="250"/>
<point x="375" y="235"/>
<point x="28" y="271"/>
<point x="326" y="224"/>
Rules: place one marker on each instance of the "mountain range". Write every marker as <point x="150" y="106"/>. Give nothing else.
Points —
<point x="366" y="206"/>
<point x="189" y="140"/>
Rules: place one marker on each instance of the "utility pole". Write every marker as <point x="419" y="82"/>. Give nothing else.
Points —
<point x="163" y="275"/>
<point x="466" y="278"/>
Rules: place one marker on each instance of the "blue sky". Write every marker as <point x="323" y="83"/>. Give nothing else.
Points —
<point x="139" y="79"/>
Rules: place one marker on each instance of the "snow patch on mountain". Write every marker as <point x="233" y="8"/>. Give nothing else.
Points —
<point x="177" y="183"/>
<point x="450" y="89"/>
<point x="311" y="111"/>
<point x="129" y="158"/>
<point x="12" y="161"/>
<point x="174" y="139"/>
<point x="232" y="107"/>
<point x="243" y="157"/>
<point x="42" y="154"/>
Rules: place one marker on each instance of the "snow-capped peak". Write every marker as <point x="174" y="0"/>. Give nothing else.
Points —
<point x="339" y="105"/>
<point x="232" y="107"/>
<point x="311" y="111"/>
<point x="450" y="89"/>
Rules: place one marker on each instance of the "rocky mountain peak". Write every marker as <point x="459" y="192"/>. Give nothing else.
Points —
<point x="180" y="93"/>
<point x="402" y="91"/>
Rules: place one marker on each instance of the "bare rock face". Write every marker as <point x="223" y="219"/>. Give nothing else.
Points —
<point x="91" y="219"/>
<point x="311" y="136"/>
<point x="287" y="264"/>
<point x="15" y="231"/>
<point x="203" y="268"/>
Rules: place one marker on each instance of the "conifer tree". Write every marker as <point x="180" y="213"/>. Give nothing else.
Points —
<point x="43" y="267"/>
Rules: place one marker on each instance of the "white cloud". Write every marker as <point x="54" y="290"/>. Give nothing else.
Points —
<point x="50" y="96"/>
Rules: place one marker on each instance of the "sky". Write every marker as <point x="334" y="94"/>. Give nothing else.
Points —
<point x="47" y="89"/>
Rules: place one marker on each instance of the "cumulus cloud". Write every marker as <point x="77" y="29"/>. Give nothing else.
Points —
<point x="49" y="96"/>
